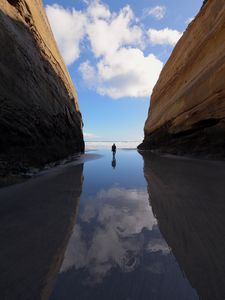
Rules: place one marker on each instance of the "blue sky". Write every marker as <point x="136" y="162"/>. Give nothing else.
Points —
<point x="114" y="51"/>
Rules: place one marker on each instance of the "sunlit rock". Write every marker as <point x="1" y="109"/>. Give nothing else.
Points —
<point x="187" y="110"/>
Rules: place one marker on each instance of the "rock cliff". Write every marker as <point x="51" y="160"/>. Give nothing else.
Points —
<point x="187" y="109"/>
<point x="40" y="120"/>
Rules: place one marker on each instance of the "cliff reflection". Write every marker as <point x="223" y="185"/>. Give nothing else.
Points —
<point x="36" y="220"/>
<point x="187" y="198"/>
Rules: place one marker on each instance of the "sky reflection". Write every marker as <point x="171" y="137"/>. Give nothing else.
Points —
<point x="116" y="250"/>
<point x="110" y="233"/>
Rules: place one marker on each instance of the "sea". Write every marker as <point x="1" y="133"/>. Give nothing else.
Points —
<point x="95" y="145"/>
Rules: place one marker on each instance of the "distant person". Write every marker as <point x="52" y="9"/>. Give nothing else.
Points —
<point x="114" y="149"/>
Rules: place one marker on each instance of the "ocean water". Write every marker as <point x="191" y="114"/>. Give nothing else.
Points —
<point x="108" y="144"/>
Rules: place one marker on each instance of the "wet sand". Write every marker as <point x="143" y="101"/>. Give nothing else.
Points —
<point x="36" y="219"/>
<point x="124" y="254"/>
<point x="188" y="199"/>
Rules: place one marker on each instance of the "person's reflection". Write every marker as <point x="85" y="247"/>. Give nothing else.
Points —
<point x="114" y="160"/>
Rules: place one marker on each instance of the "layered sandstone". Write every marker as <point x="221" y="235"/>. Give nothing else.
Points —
<point x="40" y="120"/>
<point x="187" y="109"/>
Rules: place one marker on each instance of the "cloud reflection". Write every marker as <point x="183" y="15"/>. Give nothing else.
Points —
<point x="110" y="233"/>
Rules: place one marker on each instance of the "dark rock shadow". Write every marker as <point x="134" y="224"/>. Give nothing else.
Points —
<point x="39" y="122"/>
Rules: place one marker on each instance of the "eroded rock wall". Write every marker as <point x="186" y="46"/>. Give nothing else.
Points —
<point x="40" y="120"/>
<point x="187" y="109"/>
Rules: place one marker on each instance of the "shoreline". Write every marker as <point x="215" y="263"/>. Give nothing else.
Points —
<point x="17" y="177"/>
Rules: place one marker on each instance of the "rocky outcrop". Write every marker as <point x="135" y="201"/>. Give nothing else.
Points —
<point x="40" y="120"/>
<point x="187" y="110"/>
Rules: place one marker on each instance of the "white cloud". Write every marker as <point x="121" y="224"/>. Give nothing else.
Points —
<point x="116" y="30"/>
<point x="117" y="78"/>
<point x="116" y="39"/>
<point x="158" y="12"/>
<point x="68" y="27"/>
<point x="164" y="36"/>
<point x="97" y="10"/>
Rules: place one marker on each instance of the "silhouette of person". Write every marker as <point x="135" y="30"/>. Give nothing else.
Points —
<point x="114" y="149"/>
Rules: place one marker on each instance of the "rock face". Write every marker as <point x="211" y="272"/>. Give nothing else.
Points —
<point x="40" y="119"/>
<point x="187" y="110"/>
